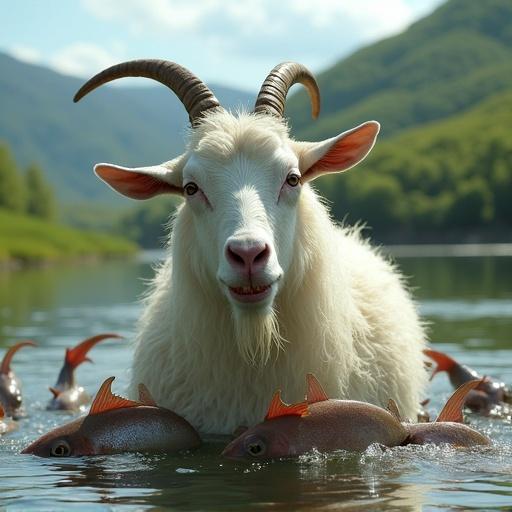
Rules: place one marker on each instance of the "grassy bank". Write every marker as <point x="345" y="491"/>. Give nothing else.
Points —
<point x="27" y="240"/>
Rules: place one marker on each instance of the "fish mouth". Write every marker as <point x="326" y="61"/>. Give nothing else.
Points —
<point x="233" y="451"/>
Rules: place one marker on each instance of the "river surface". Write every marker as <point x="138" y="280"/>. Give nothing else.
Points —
<point x="468" y="302"/>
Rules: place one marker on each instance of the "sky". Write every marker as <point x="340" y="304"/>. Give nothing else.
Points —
<point x="231" y="42"/>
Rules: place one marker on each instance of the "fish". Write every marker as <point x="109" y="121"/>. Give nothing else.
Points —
<point x="316" y="423"/>
<point x="67" y="394"/>
<point x="117" y="425"/>
<point x="6" y="424"/>
<point x="489" y="393"/>
<point x="10" y="385"/>
<point x="423" y="415"/>
<point x="448" y="428"/>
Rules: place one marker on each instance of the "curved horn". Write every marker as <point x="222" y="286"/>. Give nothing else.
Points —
<point x="272" y="95"/>
<point x="192" y="92"/>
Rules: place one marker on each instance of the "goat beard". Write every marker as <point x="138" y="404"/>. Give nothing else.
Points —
<point x="257" y="335"/>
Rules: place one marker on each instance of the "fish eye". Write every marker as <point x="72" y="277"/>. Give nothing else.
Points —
<point x="60" y="449"/>
<point x="293" y="179"/>
<point x="256" y="447"/>
<point x="190" y="188"/>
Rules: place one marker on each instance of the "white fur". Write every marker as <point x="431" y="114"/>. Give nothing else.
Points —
<point x="340" y="310"/>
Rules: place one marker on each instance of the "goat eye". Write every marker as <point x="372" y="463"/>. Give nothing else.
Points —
<point x="293" y="179"/>
<point x="191" y="188"/>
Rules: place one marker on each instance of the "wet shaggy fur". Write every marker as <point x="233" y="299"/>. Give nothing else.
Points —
<point x="342" y="313"/>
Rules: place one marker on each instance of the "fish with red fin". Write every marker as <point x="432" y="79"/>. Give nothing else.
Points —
<point x="67" y="394"/>
<point x="318" y="422"/>
<point x="6" y="424"/>
<point x="448" y="428"/>
<point x="488" y="394"/>
<point x="117" y="425"/>
<point x="10" y="386"/>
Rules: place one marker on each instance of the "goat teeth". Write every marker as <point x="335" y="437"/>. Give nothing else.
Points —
<point x="249" y="290"/>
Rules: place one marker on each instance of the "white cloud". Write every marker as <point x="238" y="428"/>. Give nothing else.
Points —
<point x="83" y="59"/>
<point x="234" y="20"/>
<point x="153" y="15"/>
<point x="25" y="54"/>
<point x="230" y="41"/>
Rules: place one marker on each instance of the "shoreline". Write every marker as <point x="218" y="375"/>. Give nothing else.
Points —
<point x="154" y="255"/>
<point x="17" y="264"/>
<point x="398" y="251"/>
<point x="470" y="250"/>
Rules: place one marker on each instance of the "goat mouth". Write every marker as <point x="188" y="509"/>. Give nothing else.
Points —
<point x="250" y="293"/>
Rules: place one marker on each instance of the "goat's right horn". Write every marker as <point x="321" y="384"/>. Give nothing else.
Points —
<point x="272" y="95"/>
<point x="192" y="92"/>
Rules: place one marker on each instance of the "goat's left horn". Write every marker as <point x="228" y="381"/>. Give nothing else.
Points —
<point x="272" y="95"/>
<point x="192" y="92"/>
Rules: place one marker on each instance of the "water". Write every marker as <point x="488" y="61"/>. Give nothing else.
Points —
<point x="468" y="302"/>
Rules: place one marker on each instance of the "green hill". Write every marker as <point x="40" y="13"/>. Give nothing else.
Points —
<point x="27" y="240"/>
<point x="446" y="180"/>
<point x="441" y="65"/>
<point x="128" y="126"/>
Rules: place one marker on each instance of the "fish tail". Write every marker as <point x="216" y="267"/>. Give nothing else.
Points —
<point x="444" y="362"/>
<point x="5" y="366"/>
<point x="77" y="355"/>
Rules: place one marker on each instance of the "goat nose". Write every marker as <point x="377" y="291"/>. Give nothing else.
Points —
<point x="248" y="257"/>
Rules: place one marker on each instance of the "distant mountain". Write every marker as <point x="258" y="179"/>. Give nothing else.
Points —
<point x="128" y="126"/>
<point x="440" y="66"/>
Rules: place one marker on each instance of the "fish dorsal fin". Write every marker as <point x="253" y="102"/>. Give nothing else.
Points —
<point x="145" y="396"/>
<point x="315" y="392"/>
<point x="55" y="392"/>
<point x="394" y="410"/>
<point x="5" y="367"/>
<point x="77" y="355"/>
<point x="278" y="408"/>
<point x="452" y="411"/>
<point x="444" y="362"/>
<point x="105" y="400"/>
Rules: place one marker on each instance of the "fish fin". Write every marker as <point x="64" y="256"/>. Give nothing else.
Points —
<point x="394" y="410"/>
<point x="77" y="355"/>
<point x="425" y="402"/>
<point x="444" y="362"/>
<point x="145" y="396"/>
<point x="55" y="392"/>
<point x="5" y="366"/>
<point x="278" y="408"/>
<point x="452" y="411"/>
<point x="315" y="392"/>
<point x="105" y="400"/>
<point x="2" y="412"/>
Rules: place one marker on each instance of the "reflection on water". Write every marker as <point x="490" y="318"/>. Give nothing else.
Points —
<point x="467" y="300"/>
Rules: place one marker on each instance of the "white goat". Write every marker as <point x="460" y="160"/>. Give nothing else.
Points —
<point x="260" y="286"/>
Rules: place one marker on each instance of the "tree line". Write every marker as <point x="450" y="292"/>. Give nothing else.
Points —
<point x="25" y="191"/>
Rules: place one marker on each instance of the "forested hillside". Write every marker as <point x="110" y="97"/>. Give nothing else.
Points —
<point x="29" y="231"/>
<point x="128" y="126"/>
<point x="451" y="178"/>
<point x="440" y="66"/>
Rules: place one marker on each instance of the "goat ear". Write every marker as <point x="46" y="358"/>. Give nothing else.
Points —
<point x="142" y="182"/>
<point x="339" y="153"/>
